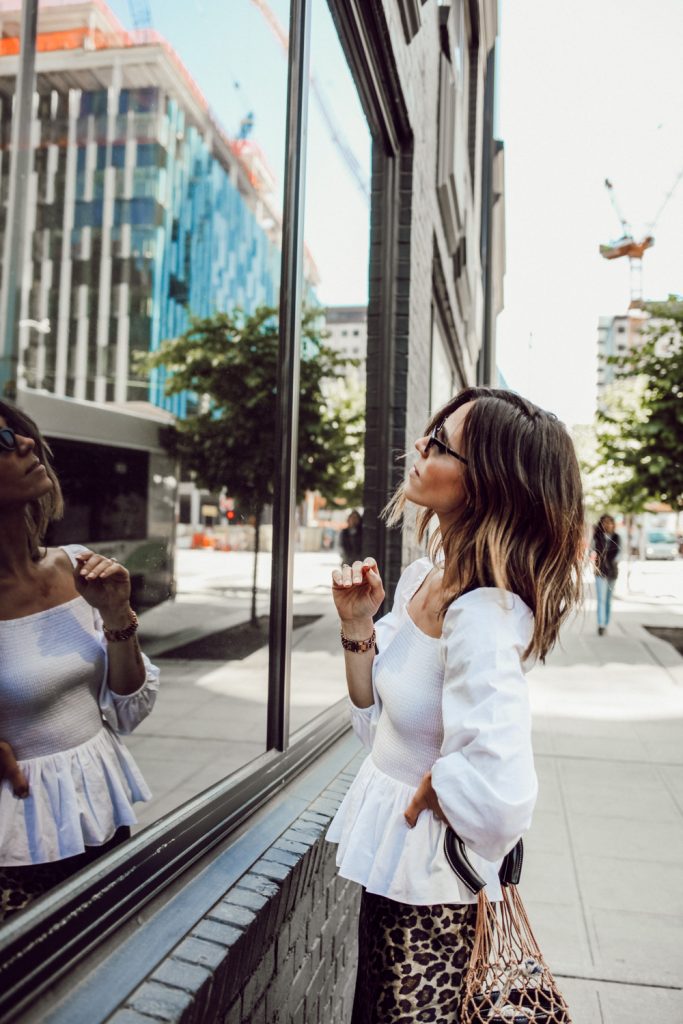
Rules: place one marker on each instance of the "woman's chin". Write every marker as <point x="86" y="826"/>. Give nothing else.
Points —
<point x="409" y="488"/>
<point x="411" y="491"/>
<point x="41" y="485"/>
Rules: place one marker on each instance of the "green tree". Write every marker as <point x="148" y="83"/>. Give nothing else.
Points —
<point x="609" y="469"/>
<point x="642" y="440"/>
<point x="229" y="360"/>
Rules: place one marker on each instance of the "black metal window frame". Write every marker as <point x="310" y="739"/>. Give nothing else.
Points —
<point x="46" y="940"/>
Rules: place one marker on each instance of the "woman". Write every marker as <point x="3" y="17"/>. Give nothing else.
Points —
<point x="438" y="693"/>
<point x="351" y="538"/>
<point x="71" y="677"/>
<point x="606" y="547"/>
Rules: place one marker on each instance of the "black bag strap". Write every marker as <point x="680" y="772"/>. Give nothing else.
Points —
<point x="509" y="873"/>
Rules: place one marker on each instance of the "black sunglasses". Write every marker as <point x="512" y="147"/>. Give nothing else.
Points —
<point x="441" y="446"/>
<point x="8" y="439"/>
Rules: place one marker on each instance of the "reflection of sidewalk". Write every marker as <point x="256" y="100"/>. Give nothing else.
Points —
<point x="603" y="877"/>
<point x="210" y="717"/>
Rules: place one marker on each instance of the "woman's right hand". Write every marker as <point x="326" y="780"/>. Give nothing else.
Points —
<point x="357" y="591"/>
<point x="10" y="770"/>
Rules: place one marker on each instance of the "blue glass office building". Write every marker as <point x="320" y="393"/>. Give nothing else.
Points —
<point x="140" y="211"/>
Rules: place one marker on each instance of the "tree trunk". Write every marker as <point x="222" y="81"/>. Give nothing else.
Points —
<point x="257" y="518"/>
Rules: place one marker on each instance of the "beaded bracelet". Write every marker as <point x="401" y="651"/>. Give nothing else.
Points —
<point x="359" y="646"/>
<point x="114" y="635"/>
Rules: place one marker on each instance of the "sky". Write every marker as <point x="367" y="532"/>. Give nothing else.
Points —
<point x="237" y="61"/>
<point x="585" y="91"/>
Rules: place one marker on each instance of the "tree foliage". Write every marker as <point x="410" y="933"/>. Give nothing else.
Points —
<point x="640" y="427"/>
<point x="229" y="362"/>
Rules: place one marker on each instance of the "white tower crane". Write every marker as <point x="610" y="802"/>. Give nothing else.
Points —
<point x="628" y="246"/>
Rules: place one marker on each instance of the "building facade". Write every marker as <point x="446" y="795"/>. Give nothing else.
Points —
<point x="139" y="207"/>
<point x="617" y="335"/>
<point x="347" y="329"/>
<point x="446" y="175"/>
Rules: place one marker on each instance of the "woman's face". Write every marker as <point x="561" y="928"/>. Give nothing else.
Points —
<point x="437" y="478"/>
<point x="23" y="477"/>
<point x="608" y="524"/>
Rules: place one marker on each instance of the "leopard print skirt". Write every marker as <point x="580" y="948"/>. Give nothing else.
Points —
<point x="22" y="885"/>
<point x="411" y="961"/>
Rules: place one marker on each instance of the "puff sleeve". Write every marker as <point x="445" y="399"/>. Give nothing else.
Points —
<point x="485" y="778"/>
<point x="364" y="720"/>
<point x="124" y="712"/>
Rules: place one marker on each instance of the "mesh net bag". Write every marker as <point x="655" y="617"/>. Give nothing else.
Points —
<point x="507" y="981"/>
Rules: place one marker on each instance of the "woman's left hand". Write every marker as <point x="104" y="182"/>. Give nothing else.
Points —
<point x="424" y="799"/>
<point x="105" y="584"/>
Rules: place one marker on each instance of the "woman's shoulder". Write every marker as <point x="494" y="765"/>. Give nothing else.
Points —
<point x="409" y="581"/>
<point x="489" y="616"/>
<point x="64" y="556"/>
<point x="414" y="573"/>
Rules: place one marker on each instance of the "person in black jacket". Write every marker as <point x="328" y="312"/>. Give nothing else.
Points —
<point x="606" y="547"/>
<point x="351" y="539"/>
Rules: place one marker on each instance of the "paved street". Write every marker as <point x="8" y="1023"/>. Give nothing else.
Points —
<point x="604" y="868"/>
<point x="210" y="718"/>
<point x="603" y="878"/>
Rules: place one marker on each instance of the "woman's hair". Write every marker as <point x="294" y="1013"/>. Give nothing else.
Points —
<point x="520" y="525"/>
<point x="41" y="511"/>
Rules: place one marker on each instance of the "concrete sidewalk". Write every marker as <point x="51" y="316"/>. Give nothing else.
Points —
<point x="603" y="878"/>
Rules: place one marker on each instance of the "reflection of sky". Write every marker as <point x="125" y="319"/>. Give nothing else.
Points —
<point x="337" y="214"/>
<point x="240" y="66"/>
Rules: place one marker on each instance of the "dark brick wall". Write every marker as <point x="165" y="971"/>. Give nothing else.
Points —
<point x="420" y="253"/>
<point x="278" y="948"/>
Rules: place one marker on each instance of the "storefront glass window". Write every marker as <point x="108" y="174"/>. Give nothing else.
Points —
<point x="332" y="436"/>
<point x="170" y="160"/>
<point x="156" y="212"/>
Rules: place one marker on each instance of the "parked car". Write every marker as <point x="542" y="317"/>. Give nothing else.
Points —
<point x="660" y="544"/>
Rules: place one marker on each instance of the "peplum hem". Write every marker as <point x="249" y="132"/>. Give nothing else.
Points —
<point x="78" y="798"/>
<point x="378" y="850"/>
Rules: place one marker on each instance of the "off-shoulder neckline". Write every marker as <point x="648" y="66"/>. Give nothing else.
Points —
<point x="483" y="592"/>
<point x="45" y="611"/>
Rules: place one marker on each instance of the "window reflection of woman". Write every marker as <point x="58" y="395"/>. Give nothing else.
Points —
<point x="71" y="677"/>
<point x="438" y="693"/>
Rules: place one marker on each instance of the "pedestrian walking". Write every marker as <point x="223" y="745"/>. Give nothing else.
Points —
<point x="351" y="538"/>
<point x="605" y="549"/>
<point x="438" y="693"/>
<point x="72" y="677"/>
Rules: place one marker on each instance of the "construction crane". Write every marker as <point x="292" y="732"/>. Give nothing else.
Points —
<point x="628" y="246"/>
<point x="336" y="134"/>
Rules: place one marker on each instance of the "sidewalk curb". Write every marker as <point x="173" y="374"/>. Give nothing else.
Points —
<point x="661" y="651"/>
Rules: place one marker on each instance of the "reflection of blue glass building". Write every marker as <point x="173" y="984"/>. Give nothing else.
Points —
<point x="140" y="211"/>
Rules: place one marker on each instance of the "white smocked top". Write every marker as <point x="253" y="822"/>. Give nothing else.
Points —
<point x="456" y="705"/>
<point x="62" y="721"/>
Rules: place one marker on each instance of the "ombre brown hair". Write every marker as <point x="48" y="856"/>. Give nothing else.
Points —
<point x="520" y="525"/>
<point x="42" y="511"/>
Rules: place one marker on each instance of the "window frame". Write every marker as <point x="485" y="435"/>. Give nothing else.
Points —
<point x="48" y="939"/>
